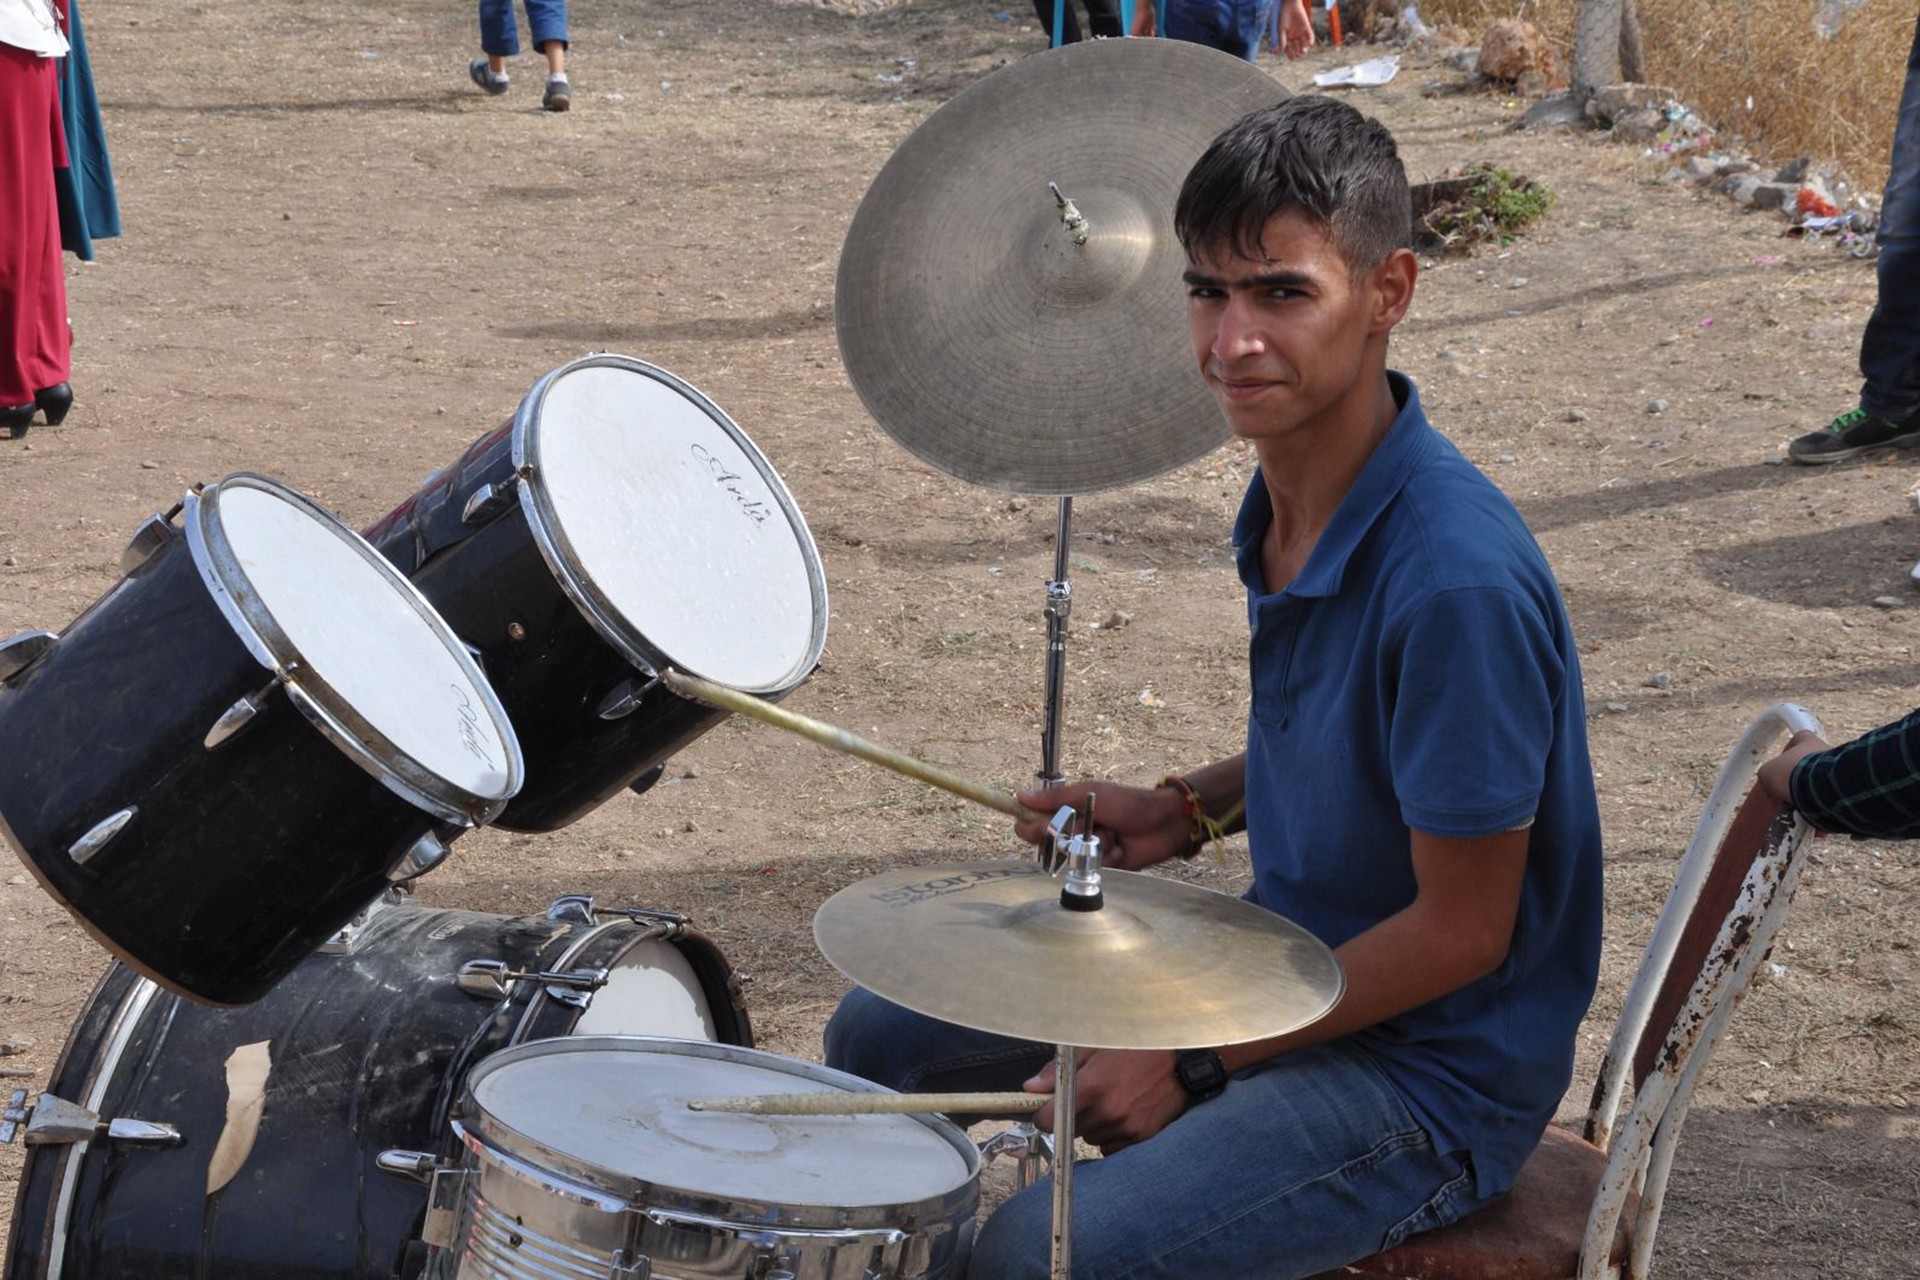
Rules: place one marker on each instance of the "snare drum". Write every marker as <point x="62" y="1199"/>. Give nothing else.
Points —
<point x="583" y="1162"/>
<point x="368" y="1041"/>
<point x="619" y="523"/>
<point x="240" y="744"/>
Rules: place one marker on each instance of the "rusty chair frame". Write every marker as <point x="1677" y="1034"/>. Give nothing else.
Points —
<point x="1729" y="898"/>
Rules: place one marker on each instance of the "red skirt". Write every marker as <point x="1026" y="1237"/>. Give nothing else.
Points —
<point x="33" y="287"/>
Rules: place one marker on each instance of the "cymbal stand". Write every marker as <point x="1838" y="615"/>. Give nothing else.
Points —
<point x="1081" y="892"/>
<point x="1059" y="608"/>
<point x="1027" y="1145"/>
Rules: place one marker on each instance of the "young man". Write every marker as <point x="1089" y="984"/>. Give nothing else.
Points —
<point x="1416" y="782"/>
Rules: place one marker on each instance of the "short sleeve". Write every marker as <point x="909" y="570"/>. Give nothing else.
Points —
<point x="1475" y="681"/>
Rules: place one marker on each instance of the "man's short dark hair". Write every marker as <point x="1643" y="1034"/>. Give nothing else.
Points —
<point x="1313" y="155"/>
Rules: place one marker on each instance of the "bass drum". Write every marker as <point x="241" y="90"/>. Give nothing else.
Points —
<point x="360" y="1051"/>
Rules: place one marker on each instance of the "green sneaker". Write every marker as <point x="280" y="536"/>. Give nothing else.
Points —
<point x="1853" y="433"/>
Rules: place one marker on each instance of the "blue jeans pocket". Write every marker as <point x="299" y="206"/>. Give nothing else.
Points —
<point x="1455" y="1197"/>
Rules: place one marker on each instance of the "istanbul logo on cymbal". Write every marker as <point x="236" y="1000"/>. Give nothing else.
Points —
<point x="907" y="895"/>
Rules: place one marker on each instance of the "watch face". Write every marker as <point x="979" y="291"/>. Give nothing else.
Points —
<point x="1201" y="1073"/>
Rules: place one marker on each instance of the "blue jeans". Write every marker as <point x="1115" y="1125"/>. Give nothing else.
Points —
<point x="1890" y="347"/>
<point x="1233" y="26"/>
<point x="1306" y="1162"/>
<point x="546" y="20"/>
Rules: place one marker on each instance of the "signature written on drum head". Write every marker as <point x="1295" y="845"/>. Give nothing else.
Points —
<point x="907" y="895"/>
<point x="730" y="481"/>
<point x="469" y="725"/>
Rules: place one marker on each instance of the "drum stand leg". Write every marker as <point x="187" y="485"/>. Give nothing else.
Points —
<point x="1063" y="1104"/>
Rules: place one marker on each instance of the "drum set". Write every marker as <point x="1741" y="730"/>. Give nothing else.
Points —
<point x="232" y="767"/>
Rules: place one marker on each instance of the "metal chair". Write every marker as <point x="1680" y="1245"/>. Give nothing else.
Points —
<point x="1586" y="1206"/>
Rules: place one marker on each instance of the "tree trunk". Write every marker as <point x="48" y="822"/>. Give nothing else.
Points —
<point x="1633" y="54"/>
<point x="1597" y="36"/>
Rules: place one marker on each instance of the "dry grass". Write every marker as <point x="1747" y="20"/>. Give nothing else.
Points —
<point x="1831" y="98"/>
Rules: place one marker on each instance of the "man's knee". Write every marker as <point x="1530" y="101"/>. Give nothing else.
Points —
<point x="853" y="1036"/>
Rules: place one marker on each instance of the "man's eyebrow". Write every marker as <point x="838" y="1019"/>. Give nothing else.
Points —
<point x="1285" y="279"/>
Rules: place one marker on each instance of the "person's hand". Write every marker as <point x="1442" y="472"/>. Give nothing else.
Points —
<point x="1143" y="18"/>
<point x="1776" y="774"/>
<point x="1121" y="1096"/>
<point x="1137" y="826"/>
<point x="1296" y="28"/>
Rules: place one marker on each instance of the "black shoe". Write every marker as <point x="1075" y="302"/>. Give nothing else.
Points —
<point x="54" y="402"/>
<point x="482" y="74"/>
<point x="559" y="94"/>
<point x="1853" y="433"/>
<point x="16" y="418"/>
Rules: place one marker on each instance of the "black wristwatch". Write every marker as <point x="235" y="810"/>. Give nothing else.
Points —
<point x="1201" y="1073"/>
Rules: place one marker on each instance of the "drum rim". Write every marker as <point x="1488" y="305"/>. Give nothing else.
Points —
<point x="322" y="705"/>
<point x="550" y="536"/>
<point x="487" y="1137"/>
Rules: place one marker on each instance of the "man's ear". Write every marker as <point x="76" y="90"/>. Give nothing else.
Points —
<point x="1392" y="284"/>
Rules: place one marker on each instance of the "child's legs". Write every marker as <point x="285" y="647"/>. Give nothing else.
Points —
<point x="1296" y="1169"/>
<point x="547" y="23"/>
<point x="498" y="39"/>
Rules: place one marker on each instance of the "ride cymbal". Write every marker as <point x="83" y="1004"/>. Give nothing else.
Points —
<point x="980" y="334"/>
<point x="1163" y="965"/>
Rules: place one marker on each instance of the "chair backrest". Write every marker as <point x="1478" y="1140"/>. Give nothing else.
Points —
<point x="1729" y="898"/>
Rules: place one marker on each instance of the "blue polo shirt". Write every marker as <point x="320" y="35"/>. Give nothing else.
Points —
<point x="1420" y="674"/>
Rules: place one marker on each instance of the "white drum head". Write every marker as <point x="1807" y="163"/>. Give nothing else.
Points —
<point x="668" y="527"/>
<point x="651" y="990"/>
<point x="625" y="1112"/>
<point x="308" y="595"/>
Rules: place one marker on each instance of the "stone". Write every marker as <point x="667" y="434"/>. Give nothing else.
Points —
<point x="1741" y="187"/>
<point x="1574" y="415"/>
<point x="1659" y="680"/>
<point x="1889" y="602"/>
<point x="1701" y="169"/>
<point x="1656" y="406"/>
<point x="1794" y="171"/>
<point x="1556" y="111"/>
<point x="1512" y="47"/>
<point x="1774" y="195"/>
<point x="1642" y="124"/>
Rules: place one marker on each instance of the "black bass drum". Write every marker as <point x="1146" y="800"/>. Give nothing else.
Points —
<point x="249" y="1142"/>
<point x="618" y="524"/>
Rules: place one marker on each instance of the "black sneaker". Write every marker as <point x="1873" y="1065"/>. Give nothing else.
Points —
<point x="494" y="82"/>
<point x="1853" y="433"/>
<point x="559" y="94"/>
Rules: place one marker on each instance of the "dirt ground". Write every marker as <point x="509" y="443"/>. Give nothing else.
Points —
<point x="342" y="264"/>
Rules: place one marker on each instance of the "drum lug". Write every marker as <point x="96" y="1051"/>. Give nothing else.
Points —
<point x="238" y="716"/>
<point x="83" y="849"/>
<point x="418" y="1165"/>
<point x="490" y="980"/>
<point x="155" y="532"/>
<point x="53" y="1121"/>
<point x="422" y="856"/>
<point x="624" y="698"/>
<point x="488" y="501"/>
<point x="17" y="653"/>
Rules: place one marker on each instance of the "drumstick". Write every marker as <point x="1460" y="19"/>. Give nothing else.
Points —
<point x="719" y="695"/>
<point x="873" y="1104"/>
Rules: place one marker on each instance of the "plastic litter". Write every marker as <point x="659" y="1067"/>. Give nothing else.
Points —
<point x="1361" y="75"/>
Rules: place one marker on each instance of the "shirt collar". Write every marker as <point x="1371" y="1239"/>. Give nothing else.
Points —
<point x="1409" y="442"/>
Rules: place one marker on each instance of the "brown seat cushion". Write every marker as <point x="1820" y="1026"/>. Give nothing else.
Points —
<point x="1533" y="1233"/>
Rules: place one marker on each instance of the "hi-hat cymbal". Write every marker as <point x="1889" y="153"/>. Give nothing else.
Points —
<point x="1163" y="965"/>
<point x="978" y="333"/>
